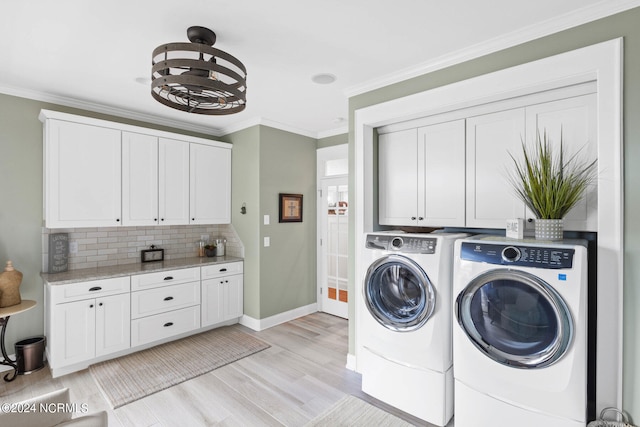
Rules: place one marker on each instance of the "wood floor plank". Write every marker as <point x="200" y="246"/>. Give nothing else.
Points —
<point x="300" y="376"/>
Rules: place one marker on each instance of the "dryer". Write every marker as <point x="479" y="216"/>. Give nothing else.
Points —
<point x="520" y="333"/>
<point x="403" y="327"/>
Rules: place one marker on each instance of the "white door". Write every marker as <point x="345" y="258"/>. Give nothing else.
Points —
<point x="334" y="232"/>
<point x="173" y="185"/>
<point x="83" y="165"/>
<point x="139" y="179"/>
<point x="210" y="184"/>
<point x="113" y="324"/>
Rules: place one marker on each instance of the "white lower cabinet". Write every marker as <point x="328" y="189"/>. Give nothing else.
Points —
<point x="222" y="293"/>
<point x="81" y="327"/>
<point x="87" y="322"/>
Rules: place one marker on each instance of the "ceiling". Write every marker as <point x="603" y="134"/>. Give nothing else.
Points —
<point x="89" y="54"/>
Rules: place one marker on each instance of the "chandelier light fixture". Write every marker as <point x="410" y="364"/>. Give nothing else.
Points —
<point x="197" y="78"/>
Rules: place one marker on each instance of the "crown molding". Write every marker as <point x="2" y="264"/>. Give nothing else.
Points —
<point x="559" y="23"/>
<point x="105" y="109"/>
<point x="333" y="132"/>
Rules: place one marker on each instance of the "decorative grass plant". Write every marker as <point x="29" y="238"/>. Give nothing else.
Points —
<point x="548" y="182"/>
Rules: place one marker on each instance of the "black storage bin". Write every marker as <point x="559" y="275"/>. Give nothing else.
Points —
<point x="30" y="354"/>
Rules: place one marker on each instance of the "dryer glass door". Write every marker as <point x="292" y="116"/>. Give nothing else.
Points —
<point x="398" y="293"/>
<point x="515" y="318"/>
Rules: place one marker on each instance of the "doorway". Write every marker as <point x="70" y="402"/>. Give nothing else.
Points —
<point x="333" y="231"/>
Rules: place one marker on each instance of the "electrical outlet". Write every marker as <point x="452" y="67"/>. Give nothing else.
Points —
<point x="73" y="247"/>
<point x="267" y="242"/>
<point x="204" y="237"/>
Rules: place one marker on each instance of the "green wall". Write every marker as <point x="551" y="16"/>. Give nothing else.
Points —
<point x="621" y="25"/>
<point x="333" y="140"/>
<point x="266" y="162"/>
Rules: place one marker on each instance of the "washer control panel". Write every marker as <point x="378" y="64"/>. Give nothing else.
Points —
<point x="405" y="244"/>
<point x="517" y="255"/>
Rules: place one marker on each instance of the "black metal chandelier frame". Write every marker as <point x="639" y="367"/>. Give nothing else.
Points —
<point x="214" y="83"/>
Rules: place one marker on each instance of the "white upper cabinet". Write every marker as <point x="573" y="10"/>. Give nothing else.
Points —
<point x="398" y="178"/>
<point x="104" y="174"/>
<point x="441" y="149"/>
<point x="573" y="119"/>
<point x="139" y="179"/>
<point x="82" y="175"/>
<point x="490" y="197"/>
<point x="210" y="185"/>
<point x="421" y="176"/>
<point x="173" y="176"/>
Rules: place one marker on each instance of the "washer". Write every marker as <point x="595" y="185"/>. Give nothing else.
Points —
<point x="403" y="329"/>
<point x="520" y="333"/>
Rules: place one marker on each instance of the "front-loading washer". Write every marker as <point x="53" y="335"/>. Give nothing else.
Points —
<point x="403" y="326"/>
<point x="520" y="333"/>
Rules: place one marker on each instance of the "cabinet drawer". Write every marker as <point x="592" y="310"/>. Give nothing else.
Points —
<point x="90" y="289"/>
<point x="154" y="328"/>
<point x="166" y="298"/>
<point x="219" y="270"/>
<point x="164" y="278"/>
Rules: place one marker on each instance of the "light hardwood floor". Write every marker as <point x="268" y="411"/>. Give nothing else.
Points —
<point x="301" y="375"/>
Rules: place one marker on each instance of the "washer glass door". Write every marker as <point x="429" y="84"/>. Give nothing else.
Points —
<point x="515" y="318"/>
<point x="398" y="293"/>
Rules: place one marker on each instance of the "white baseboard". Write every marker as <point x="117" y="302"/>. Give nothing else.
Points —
<point x="276" y="319"/>
<point x="351" y="362"/>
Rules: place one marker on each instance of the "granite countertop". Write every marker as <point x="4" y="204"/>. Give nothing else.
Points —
<point x="96" y="273"/>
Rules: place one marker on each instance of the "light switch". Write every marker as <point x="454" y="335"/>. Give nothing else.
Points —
<point x="266" y="220"/>
<point x="267" y="242"/>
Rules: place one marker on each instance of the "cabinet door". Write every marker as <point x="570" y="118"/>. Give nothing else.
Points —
<point x="441" y="175"/>
<point x="113" y="324"/>
<point x="575" y="120"/>
<point x="173" y="185"/>
<point x="73" y="337"/>
<point x="398" y="178"/>
<point x="490" y="196"/>
<point x="139" y="179"/>
<point x="233" y="297"/>
<point x="212" y="301"/>
<point x="210" y="185"/>
<point x="82" y="174"/>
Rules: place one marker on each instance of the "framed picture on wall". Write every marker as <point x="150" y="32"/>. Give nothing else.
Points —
<point x="290" y="207"/>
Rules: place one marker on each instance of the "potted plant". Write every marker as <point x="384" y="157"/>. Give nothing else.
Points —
<point x="550" y="183"/>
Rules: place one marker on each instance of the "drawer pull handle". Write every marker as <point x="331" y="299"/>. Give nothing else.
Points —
<point x="95" y="288"/>
<point x="222" y="270"/>
<point x="168" y="278"/>
<point x="168" y="298"/>
<point x="166" y="325"/>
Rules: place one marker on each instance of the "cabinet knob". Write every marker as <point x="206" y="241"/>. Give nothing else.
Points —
<point x="117" y="219"/>
<point x="413" y="218"/>
<point x="161" y="219"/>
<point x="100" y="304"/>
<point x="91" y="306"/>
<point x="420" y="218"/>
<point x="155" y="219"/>
<point x="193" y="219"/>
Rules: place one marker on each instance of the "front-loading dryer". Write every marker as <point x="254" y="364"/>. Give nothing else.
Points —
<point x="520" y="335"/>
<point x="403" y="326"/>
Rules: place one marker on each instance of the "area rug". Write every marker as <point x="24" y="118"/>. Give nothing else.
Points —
<point x="353" y="412"/>
<point x="132" y="377"/>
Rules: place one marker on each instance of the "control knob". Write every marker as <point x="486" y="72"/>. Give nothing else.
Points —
<point x="511" y="254"/>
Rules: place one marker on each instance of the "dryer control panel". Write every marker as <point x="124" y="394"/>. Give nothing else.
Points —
<point x="518" y="255"/>
<point x="403" y="244"/>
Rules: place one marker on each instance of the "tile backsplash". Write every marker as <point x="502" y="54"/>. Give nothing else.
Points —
<point x="108" y="246"/>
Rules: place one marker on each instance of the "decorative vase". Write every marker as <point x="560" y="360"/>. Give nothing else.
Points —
<point x="548" y="229"/>
<point x="10" y="281"/>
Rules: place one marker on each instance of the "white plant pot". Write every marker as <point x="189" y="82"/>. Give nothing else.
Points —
<point x="548" y="229"/>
